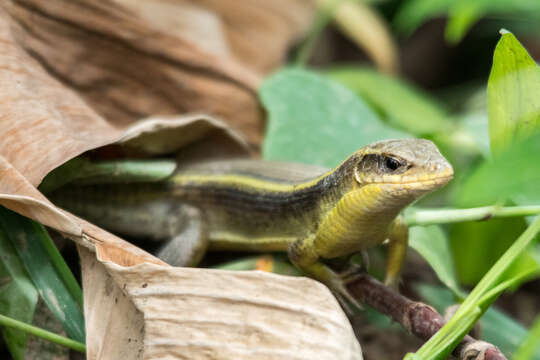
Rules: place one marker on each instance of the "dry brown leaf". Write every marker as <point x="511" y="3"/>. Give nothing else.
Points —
<point x="114" y="326"/>
<point x="256" y="33"/>
<point x="365" y="27"/>
<point x="211" y="314"/>
<point x="46" y="45"/>
<point x="45" y="124"/>
<point x="132" y="59"/>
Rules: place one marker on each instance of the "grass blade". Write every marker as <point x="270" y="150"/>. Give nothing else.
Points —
<point x="18" y="296"/>
<point x="28" y="238"/>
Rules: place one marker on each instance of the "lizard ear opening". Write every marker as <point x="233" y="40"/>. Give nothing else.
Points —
<point x="368" y="165"/>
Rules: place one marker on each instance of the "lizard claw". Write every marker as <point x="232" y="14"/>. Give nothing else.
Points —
<point x="354" y="269"/>
<point x="349" y="303"/>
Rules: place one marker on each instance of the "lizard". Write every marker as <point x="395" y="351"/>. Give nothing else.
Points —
<point x="312" y="213"/>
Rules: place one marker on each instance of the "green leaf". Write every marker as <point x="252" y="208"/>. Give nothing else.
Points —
<point x="432" y="244"/>
<point x="398" y="102"/>
<point x="479" y="300"/>
<point x="530" y="347"/>
<point x="18" y="296"/>
<point x="525" y="268"/>
<point x="513" y="94"/>
<point x="492" y="321"/>
<point x="514" y="173"/>
<point x="54" y="285"/>
<point x="415" y="12"/>
<point x="463" y="14"/>
<point x="82" y="170"/>
<point x="316" y="120"/>
<point x="476" y="246"/>
<point x="476" y="125"/>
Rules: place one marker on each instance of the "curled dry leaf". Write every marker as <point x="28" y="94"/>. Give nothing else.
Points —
<point x="131" y="59"/>
<point x="367" y="29"/>
<point x="255" y="33"/>
<point x="45" y="124"/>
<point x="211" y="314"/>
<point x="61" y="74"/>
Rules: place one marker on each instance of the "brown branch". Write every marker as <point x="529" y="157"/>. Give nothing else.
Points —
<point x="417" y="318"/>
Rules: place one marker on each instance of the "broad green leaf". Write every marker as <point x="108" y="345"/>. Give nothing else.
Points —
<point x="513" y="94"/>
<point x="18" y="296"/>
<point x="315" y="120"/>
<point x="476" y="246"/>
<point x="432" y="244"/>
<point x="492" y="321"/>
<point x="54" y="286"/>
<point x="399" y="103"/>
<point x="476" y="125"/>
<point x="513" y="173"/>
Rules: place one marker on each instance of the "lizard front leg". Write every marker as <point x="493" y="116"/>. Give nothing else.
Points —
<point x="303" y="255"/>
<point x="398" y="240"/>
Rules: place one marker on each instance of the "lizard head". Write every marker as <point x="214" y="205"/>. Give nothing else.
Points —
<point x="406" y="166"/>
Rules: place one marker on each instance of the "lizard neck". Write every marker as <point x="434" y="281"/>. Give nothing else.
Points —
<point x="360" y="219"/>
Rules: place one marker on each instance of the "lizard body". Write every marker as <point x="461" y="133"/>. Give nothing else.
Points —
<point x="310" y="212"/>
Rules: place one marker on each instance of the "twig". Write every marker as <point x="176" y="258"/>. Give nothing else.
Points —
<point x="417" y="318"/>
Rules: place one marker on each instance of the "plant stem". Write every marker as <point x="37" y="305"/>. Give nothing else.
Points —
<point x="446" y="216"/>
<point x="47" y="335"/>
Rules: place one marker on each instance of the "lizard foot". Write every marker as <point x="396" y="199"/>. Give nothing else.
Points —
<point x="349" y="303"/>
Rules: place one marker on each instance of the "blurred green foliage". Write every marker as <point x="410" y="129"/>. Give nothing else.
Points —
<point x="321" y="118"/>
<point x="314" y="119"/>
<point x="464" y="13"/>
<point x="397" y="102"/>
<point x="308" y="111"/>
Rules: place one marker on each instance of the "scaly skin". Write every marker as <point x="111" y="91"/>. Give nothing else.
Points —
<point x="262" y="206"/>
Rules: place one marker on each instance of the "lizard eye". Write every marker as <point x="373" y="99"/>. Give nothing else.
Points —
<point x="391" y="163"/>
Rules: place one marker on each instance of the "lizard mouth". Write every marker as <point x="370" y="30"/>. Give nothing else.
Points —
<point x="425" y="182"/>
